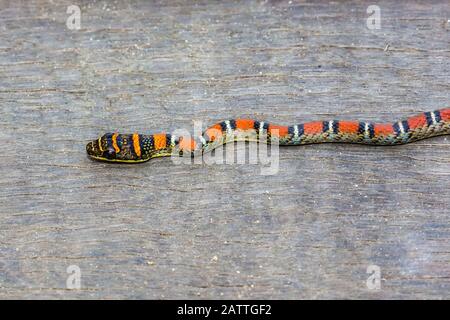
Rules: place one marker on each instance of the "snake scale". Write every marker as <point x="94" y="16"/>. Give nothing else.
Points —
<point x="135" y="148"/>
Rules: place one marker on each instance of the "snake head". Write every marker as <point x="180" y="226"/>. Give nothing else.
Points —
<point x="101" y="149"/>
<point x="114" y="147"/>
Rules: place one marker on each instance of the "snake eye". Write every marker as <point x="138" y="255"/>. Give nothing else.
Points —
<point x="109" y="154"/>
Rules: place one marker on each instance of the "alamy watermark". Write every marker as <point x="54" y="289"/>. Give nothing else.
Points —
<point x="73" y="281"/>
<point x="373" y="282"/>
<point x="73" y="22"/>
<point x="374" y="20"/>
<point x="232" y="149"/>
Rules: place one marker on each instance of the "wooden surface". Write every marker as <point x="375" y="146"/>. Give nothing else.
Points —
<point x="160" y="230"/>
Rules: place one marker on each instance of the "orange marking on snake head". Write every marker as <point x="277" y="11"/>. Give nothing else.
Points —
<point x="114" y="142"/>
<point x="278" y="131"/>
<point x="187" y="144"/>
<point x="136" y="144"/>
<point x="160" y="141"/>
<point x="348" y="127"/>
<point x="313" y="127"/>
<point x="214" y="132"/>
<point x="417" y="121"/>
<point x="383" y="129"/>
<point x="245" y="124"/>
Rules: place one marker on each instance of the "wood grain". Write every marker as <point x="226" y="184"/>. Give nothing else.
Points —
<point x="160" y="230"/>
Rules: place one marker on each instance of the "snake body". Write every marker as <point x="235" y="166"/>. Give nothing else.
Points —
<point x="134" y="148"/>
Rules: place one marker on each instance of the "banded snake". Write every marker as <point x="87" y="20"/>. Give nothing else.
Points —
<point x="135" y="148"/>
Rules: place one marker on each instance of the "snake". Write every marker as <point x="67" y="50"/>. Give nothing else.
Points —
<point x="136" y="148"/>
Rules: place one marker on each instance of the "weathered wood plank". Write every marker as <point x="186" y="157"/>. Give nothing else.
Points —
<point x="161" y="230"/>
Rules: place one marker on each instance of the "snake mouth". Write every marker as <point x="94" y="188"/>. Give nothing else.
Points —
<point x="94" y="151"/>
<point x="91" y="149"/>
